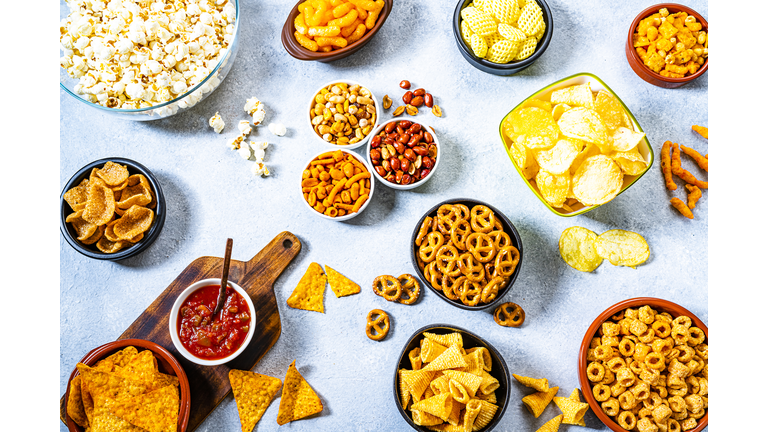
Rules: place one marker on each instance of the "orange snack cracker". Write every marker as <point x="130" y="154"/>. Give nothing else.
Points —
<point x="253" y="393"/>
<point x="310" y="291"/>
<point x="298" y="400"/>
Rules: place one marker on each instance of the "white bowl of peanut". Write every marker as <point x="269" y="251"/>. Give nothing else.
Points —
<point x="343" y="113"/>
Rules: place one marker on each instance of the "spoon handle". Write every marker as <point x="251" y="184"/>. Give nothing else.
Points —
<point x="224" y="277"/>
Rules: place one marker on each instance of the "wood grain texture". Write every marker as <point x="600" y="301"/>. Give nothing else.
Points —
<point x="209" y="385"/>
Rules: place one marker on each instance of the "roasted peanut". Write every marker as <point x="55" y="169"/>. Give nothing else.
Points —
<point x="428" y="100"/>
<point x="407" y="97"/>
<point x="405" y="84"/>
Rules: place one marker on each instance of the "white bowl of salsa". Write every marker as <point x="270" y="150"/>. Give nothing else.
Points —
<point x="204" y="340"/>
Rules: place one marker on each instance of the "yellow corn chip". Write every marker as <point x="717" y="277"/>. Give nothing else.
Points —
<point x="439" y="405"/>
<point x="449" y="359"/>
<point x="552" y="425"/>
<point x="458" y="392"/>
<point x="309" y="293"/>
<point x="539" y="400"/>
<point x="446" y="339"/>
<point x="405" y="393"/>
<point x="156" y="411"/>
<point x="430" y="350"/>
<point x="488" y="398"/>
<point x="474" y="363"/>
<point x="487" y="411"/>
<point x="488" y="384"/>
<point x="105" y="421"/>
<point x="573" y="410"/>
<point x="415" y="357"/>
<point x="422" y="418"/>
<point x="540" y="384"/>
<point x="470" y="381"/>
<point x="340" y="285"/>
<point x="487" y="360"/>
<point x="253" y="393"/>
<point x="75" y="408"/>
<point x="298" y="399"/>
<point x="417" y="381"/>
<point x="575" y="396"/>
<point x="470" y="414"/>
<point x="455" y="416"/>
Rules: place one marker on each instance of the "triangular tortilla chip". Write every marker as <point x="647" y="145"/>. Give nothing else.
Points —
<point x="106" y="385"/>
<point x="552" y="425"/>
<point x="573" y="409"/>
<point x="539" y="400"/>
<point x="120" y="358"/>
<point x="298" y="400"/>
<point x="253" y="393"/>
<point x="75" y="408"/>
<point x="540" y="384"/>
<point x="309" y="293"/>
<point x="156" y="411"/>
<point x="105" y="421"/>
<point x="340" y="284"/>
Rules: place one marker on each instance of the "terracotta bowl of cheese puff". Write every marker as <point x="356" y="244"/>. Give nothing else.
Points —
<point x="294" y="48"/>
<point x="660" y="306"/>
<point x="470" y="340"/>
<point x="636" y="63"/>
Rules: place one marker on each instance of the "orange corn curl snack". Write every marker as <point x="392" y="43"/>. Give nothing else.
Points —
<point x="702" y="161"/>
<point x="681" y="207"/>
<point x="666" y="166"/>
<point x="694" y="193"/>
<point x="701" y="130"/>
<point x="678" y="170"/>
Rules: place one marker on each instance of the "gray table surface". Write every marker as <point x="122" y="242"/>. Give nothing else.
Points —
<point x="211" y="195"/>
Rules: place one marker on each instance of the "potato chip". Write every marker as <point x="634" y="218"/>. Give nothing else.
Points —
<point x="439" y="405"/>
<point x="298" y="399"/>
<point x="573" y="411"/>
<point x="100" y="204"/>
<point x="611" y="111"/>
<point x="554" y="188"/>
<point x="310" y="291"/>
<point x="559" y="158"/>
<point x="134" y="221"/>
<point x="535" y="127"/>
<point x="83" y="228"/>
<point x="622" y="247"/>
<point x="450" y="359"/>
<point x="631" y="162"/>
<point x="575" y="96"/>
<point x="546" y="106"/>
<point x="253" y="393"/>
<point x="478" y="45"/>
<point x="113" y="174"/>
<point x="340" y="285"/>
<point x="538" y="384"/>
<point x="525" y="160"/>
<point x="75" y="409"/>
<point x="623" y="139"/>
<point x="77" y="196"/>
<point x="589" y="150"/>
<point x="503" y="51"/>
<point x="538" y="401"/>
<point x="526" y="48"/>
<point x="155" y="411"/>
<point x="559" y="109"/>
<point x="552" y="425"/>
<point x="584" y="124"/>
<point x="597" y="181"/>
<point x="577" y="248"/>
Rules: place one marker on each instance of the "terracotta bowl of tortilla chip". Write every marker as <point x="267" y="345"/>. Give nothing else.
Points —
<point x="166" y="364"/>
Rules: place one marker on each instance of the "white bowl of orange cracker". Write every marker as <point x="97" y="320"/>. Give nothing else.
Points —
<point x="337" y="185"/>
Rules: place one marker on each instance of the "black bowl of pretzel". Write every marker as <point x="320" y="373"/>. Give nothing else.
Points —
<point x="467" y="252"/>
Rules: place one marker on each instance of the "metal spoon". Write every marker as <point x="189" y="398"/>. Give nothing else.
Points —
<point x="224" y="275"/>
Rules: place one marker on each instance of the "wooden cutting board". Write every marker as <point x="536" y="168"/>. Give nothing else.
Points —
<point x="209" y="385"/>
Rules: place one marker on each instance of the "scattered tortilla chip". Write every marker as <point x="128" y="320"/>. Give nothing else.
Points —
<point x="537" y="402"/>
<point x="156" y="411"/>
<point x="113" y="174"/>
<point x="540" y="384"/>
<point x="310" y="291"/>
<point x="573" y="410"/>
<point x="298" y="399"/>
<point x="552" y="425"/>
<point x="253" y="393"/>
<point x="340" y="285"/>
<point x="449" y="359"/>
<point x="96" y="384"/>
<point x="75" y="408"/>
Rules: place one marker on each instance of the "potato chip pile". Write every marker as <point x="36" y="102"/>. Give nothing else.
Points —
<point x="578" y="146"/>
<point x="673" y="165"/>
<point x="448" y="387"/>
<point x="326" y="25"/>
<point x="584" y="250"/>
<point x="674" y="42"/>
<point x="124" y="392"/>
<point x="649" y="371"/>
<point x="573" y="409"/>
<point x="502" y="31"/>
<point x="310" y="291"/>
<point x="111" y="208"/>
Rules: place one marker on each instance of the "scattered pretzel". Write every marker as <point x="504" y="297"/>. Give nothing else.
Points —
<point x="411" y="289"/>
<point x="388" y="287"/>
<point x="377" y="328"/>
<point x="509" y="315"/>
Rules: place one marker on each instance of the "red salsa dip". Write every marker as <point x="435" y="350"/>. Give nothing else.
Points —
<point x="211" y="339"/>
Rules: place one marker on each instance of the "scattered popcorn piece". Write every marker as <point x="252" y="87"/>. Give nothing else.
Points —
<point x="255" y="108"/>
<point x="244" y="127"/>
<point x="245" y="152"/>
<point x="258" y="115"/>
<point x="259" y="145"/>
<point x="217" y="123"/>
<point x="235" y="143"/>
<point x="258" y="168"/>
<point x="277" y="129"/>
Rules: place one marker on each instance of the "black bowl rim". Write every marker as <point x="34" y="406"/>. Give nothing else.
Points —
<point x="504" y="220"/>
<point x="452" y="328"/>
<point x="137" y="248"/>
<point x="507" y="67"/>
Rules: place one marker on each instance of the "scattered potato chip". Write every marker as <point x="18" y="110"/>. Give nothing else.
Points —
<point x="577" y="248"/>
<point x="310" y="291"/>
<point x="298" y="400"/>
<point x="537" y="402"/>
<point x="552" y="425"/>
<point x="622" y="247"/>
<point x="538" y="384"/>
<point x="546" y="106"/>
<point x="597" y="180"/>
<point x="155" y="411"/>
<point x="573" y="411"/>
<point x="559" y="109"/>
<point x="587" y="151"/>
<point x="575" y="96"/>
<point x="253" y="393"/>
<point x="113" y="174"/>
<point x="584" y="124"/>
<point x="525" y="159"/>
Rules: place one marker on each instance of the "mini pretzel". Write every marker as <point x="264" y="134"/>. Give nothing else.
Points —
<point x="509" y="315"/>
<point x="471" y="293"/>
<point x="460" y="230"/>
<point x="452" y="288"/>
<point x="377" y="328"/>
<point x="388" y="287"/>
<point x="423" y="230"/>
<point x="472" y="269"/>
<point x="491" y="290"/>
<point x="445" y="222"/>
<point x="482" y="219"/>
<point x="500" y="239"/>
<point x="506" y="261"/>
<point x="433" y="275"/>
<point x="428" y="251"/>
<point x="463" y="210"/>
<point x="411" y="288"/>
<point x="447" y="254"/>
<point x="481" y="246"/>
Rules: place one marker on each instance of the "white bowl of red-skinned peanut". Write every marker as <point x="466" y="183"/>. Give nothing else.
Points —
<point x="359" y="105"/>
<point x="404" y="153"/>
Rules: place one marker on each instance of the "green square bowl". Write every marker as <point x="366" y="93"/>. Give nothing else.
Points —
<point x="644" y="147"/>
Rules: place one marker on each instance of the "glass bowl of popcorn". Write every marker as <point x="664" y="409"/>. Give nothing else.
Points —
<point x="146" y="61"/>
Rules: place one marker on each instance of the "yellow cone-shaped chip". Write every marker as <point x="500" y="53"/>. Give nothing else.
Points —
<point x="430" y="350"/>
<point x="309" y="293"/>
<point x="573" y="411"/>
<point x="470" y="414"/>
<point x="405" y="393"/>
<point x="474" y="363"/>
<point x="449" y="359"/>
<point x="552" y="425"/>
<point x="423" y="418"/>
<point x="537" y="402"/>
<point x="156" y="411"/>
<point x="298" y="399"/>
<point x="484" y="417"/>
<point x="470" y="381"/>
<point x="538" y="384"/>
<point x="253" y="393"/>
<point x="575" y="396"/>
<point x="439" y="405"/>
<point x="340" y="284"/>
<point x="417" y="381"/>
<point x="446" y="339"/>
